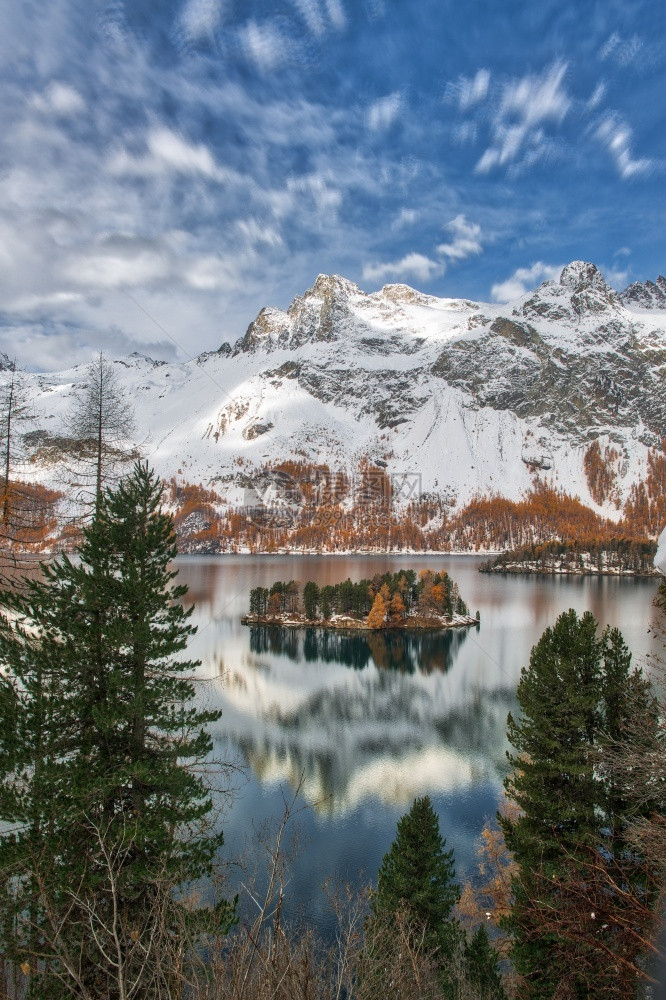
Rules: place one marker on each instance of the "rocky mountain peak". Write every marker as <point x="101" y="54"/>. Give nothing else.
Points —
<point x="589" y="292"/>
<point x="404" y="293"/>
<point x="331" y="286"/>
<point x="581" y="274"/>
<point x="648" y="295"/>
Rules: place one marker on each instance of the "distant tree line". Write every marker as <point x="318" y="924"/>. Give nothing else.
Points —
<point x="624" y="554"/>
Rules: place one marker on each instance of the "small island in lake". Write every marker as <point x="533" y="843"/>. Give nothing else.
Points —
<point x="616" y="557"/>
<point x="402" y="600"/>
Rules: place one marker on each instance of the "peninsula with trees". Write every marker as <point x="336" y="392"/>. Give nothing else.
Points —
<point x="401" y="600"/>
<point x="612" y="557"/>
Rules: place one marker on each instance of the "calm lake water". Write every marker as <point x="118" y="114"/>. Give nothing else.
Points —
<point x="369" y="723"/>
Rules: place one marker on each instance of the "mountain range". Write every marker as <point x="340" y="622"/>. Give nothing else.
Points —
<point x="452" y="399"/>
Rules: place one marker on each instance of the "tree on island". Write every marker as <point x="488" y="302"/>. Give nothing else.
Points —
<point x="310" y="600"/>
<point x="397" y="608"/>
<point x="326" y="601"/>
<point x="582" y="894"/>
<point x="106" y="817"/>
<point x="377" y="614"/>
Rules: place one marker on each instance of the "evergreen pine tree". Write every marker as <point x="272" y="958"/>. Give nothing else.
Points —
<point x="483" y="974"/>
<point x="577" y="689"/>
<point x="107" y="817"/>
<point x="310" y="600"/>
<point x="419" y="873"/>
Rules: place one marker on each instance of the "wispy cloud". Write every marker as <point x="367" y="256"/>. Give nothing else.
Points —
<point x="468" y="91"/>
<point x="168" y="151"/>
<point x="118" y="262"/>
<point x="465" y="240"/>
<point x="384" y="112"/>
<point x="621" y="50"/>
<point x="616" y="136"/>
<point x="200" y="18"/>
<point x="597" y="97"/>
<point x="265" y="45"/>
<point x="336" y="14"/>
<point x="255" y="233"/>
<point x="59" y="99"/>
<point x="523" y="280"/>
<point x="413" y="265"/>
<point x="527" y="104"/>
<point x="311" y="12"/>
<point x="616" y="277"/>
<point x="405" y="218"/>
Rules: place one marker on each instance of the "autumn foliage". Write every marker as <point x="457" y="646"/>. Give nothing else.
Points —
<point x="311" y="507"/>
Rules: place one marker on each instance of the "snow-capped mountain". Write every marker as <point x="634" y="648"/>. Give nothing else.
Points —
<point x="472" y="398"/>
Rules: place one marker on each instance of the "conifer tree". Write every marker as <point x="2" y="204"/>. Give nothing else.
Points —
<point x="482" y="971"/>
<point x="419" y="873"/>
<point x="578" y="688"/>
<point x="310" y="600"/>
<point x="106" y="816"/>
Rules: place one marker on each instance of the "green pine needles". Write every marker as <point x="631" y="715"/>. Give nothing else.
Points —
<point x="413" y="923"/>
<point x="106" y="819"/>
<point x="418" y="873"/>
<point x="583" y="894"/>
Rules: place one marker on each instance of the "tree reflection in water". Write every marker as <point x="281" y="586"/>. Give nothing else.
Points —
<point x="406" y="652"/>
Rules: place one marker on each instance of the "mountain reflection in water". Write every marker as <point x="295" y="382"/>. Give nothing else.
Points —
<point x="356" y="717"/>
<point x="403" y="651"/>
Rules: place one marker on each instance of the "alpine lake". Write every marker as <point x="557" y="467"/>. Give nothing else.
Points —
<point x="361" y="724"/>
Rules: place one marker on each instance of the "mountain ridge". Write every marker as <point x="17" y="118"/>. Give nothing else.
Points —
<point x="472" y="399"/>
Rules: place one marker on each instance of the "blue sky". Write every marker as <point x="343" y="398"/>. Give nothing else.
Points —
<point x="168" y="168"/>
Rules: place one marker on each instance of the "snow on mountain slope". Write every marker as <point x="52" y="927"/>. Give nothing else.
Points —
<point x="473" y="398"/>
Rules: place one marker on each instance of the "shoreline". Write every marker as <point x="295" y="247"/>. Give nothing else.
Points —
<point x="346" y="623"/>
<point x="525" y="569"/>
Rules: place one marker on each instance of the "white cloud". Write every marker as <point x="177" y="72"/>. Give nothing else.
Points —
<point x="176" y="152"/>
<point x="336" y="14"/>
<point x="326" y="196"/>
<point x="472" y="90"/>
<point x="265" y="45"/>
<point x="535" y="99"/>
<point x="465" y="133"/>
<point x="311" y="13"/>
<point x="413" y="264"/>
<point x="616" y="277"/>
<point x="254" y="233"/>
<point x="117" y="263"/>
<point x="465" y="239"/>
<point x="526" y="105"/>
<point x="200" y="18"/>
<point x="168" y="151"/>
<point x="212" y="273"/>
<point x="622" y="50"/>
<point x="384" y="112"/>
<point x="405" y="218"/>
<point x="597" y="96"/>
<point x="524" y="280"/>
<point x="59" y="99"/>
<point x="616" y="136"/>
